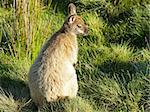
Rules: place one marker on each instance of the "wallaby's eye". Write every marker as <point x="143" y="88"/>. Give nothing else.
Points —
<point x="79" y="26"/>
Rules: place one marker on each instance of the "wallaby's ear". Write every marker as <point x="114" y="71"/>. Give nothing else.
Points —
<point x="72" y="19"/>
<point x="72" y="9"/>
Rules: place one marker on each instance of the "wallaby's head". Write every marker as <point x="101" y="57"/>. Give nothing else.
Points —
<point x="75" y="23"/>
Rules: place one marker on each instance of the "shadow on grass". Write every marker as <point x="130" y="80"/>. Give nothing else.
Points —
<point x="120" y="67"/>
<point x="10" y="82"/>
<point x="56" y="106"/>
<point x="136" y="35"/>
<point x="12" y="85"/>
<point x="19" y="89"/>
<point x="125" y="71"/>
<point x="101" y="9"/>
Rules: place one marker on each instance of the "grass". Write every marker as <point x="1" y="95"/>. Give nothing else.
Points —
<point x="7" y="103"/>
<point x="113" y="63"/>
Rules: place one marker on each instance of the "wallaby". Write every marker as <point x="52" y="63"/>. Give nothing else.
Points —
<point x="52" y="76"/>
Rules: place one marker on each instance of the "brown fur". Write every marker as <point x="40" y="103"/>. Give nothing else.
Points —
<point x="52" y="75"/>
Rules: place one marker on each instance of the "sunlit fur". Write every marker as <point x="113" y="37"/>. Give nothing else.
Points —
<point x="52" y="76"/>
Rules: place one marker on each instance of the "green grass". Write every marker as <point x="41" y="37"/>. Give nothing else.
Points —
<point x="113" y="63"/>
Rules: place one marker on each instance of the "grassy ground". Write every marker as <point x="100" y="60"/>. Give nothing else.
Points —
<point x="114" y="59"/>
